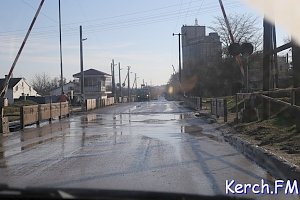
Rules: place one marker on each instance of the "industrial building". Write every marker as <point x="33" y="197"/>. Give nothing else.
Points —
<point x="199" y="49"/>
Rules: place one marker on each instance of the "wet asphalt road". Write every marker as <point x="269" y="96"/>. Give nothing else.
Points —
<point x="152" y="146"/>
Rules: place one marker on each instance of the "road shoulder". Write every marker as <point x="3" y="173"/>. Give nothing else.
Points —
<point x="275" y="162"/>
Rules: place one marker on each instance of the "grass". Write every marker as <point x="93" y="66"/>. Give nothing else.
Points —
<point x="278" y="134"/>
<point x="206" y="102"/>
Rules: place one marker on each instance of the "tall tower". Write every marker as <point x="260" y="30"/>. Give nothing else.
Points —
<point x="199" y="49"/>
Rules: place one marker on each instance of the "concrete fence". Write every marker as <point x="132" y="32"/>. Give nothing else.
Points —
<point x="109" y="101"/>
<point x="36" y="113"/>
<point x="100" y="103"/>
<point x="90" y="104"/>
<point x="219" y="108"/>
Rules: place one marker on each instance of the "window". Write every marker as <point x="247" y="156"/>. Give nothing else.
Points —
<point x="17" y="87"/>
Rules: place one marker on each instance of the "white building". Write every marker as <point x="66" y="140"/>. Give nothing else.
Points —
<point x="17" y="87"/>
<point x="68" y="89"/>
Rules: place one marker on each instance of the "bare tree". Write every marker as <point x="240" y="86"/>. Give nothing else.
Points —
<point x="43" y="84"/>
<point x="244" y="29"/>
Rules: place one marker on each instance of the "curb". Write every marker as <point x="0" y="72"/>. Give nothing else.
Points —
<point x="277" y="166"/>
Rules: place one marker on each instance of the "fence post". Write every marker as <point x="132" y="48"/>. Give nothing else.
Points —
<point x="293" y="97"/>
<point x="217" y="108"/>
<point x="200" y="103"/>
<point x="38" y="113"/>
<point x="236" y="109"/>
<point x="225" y="110"/>
<point x="4" y="124"/>
<point x="59" y="111"/>
<point x="50" y="120"/>
<point x="22" y="117"/>
<point x="211" y="106"/>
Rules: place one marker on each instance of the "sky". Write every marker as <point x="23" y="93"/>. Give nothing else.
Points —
<point x="136" y="33"/>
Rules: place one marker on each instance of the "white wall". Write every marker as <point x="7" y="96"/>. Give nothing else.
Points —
<point x="67" y="89"/>
<point x="23" y="89"/>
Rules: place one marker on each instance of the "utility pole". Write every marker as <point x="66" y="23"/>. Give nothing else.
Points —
<point x="5" y="85"/>
<point x="120" y="84"/>
<point x="296" y="78"/>
<point x="128" y="74"/>
<point x="267" y="58"/>
<point x="135" y="81"/>
<point x="60" y="49"/>
<point x="3" y="102"/>
<point x="275" y="58"/>
<point x="179" y="48"/>
<point x="81" y="69"/>
<point x="113" y="79"/>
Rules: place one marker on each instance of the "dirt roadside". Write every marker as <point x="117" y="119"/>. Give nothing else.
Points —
<point x="278" y="136"/>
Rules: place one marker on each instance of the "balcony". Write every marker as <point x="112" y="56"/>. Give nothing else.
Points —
<point x="94" y="89"/>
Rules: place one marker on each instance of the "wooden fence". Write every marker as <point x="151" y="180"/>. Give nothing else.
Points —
<point x="91" y="104"/>
<point x="283" y="98"/>
<point x="36" y="113"/>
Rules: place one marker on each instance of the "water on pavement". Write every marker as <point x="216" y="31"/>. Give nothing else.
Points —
<point x="150" y="146"/>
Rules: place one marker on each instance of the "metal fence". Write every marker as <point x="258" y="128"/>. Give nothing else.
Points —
<point x="219" y="108"/>
<point x="193" y="102"/>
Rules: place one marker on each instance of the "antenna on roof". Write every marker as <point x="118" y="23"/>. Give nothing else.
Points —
<point x="196" y="22"/>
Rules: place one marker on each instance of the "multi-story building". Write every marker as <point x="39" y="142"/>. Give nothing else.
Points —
<point x="97" y="84"/>
<point x="199" y="49"/>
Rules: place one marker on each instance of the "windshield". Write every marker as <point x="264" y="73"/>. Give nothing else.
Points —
<point x="188" y="96"/>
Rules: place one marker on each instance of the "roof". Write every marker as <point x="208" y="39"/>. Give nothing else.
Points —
<point x="91" y="72"/>
<point x="12" y="82"/>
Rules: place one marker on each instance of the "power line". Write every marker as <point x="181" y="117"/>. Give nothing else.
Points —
<point x="42" y="13"/>
<point x="66" y="25"/>
<point x="187" y="11"/>
<point x="161" y="17"/>
<point x="199" y="8"/>
<point x="91" y="20"/>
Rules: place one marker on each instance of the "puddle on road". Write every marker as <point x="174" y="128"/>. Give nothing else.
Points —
<point x="94" y="127"/>
<point x="197" y="131"/>
<point x="30" y="138"/>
